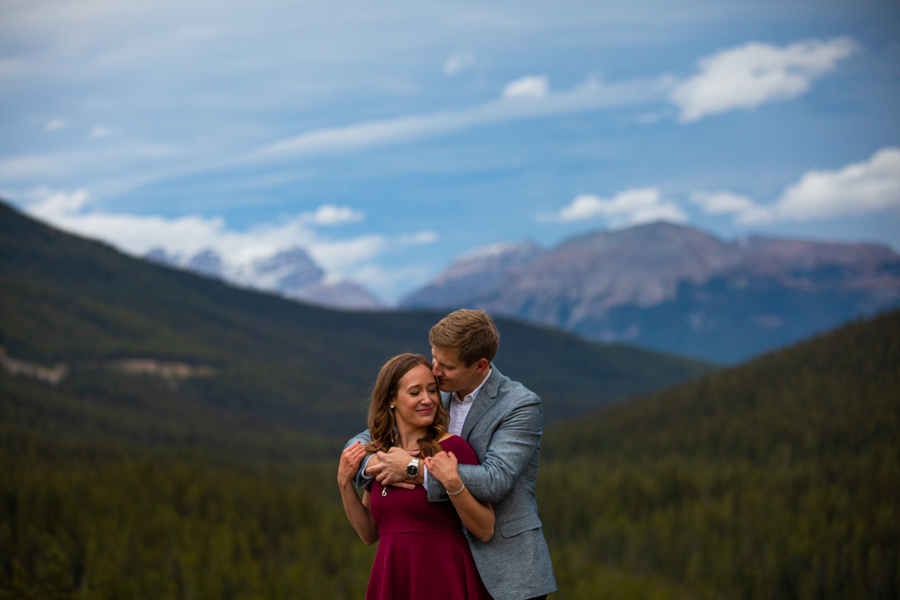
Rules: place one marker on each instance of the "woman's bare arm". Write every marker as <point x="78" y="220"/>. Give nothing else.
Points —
<point x="478" y="517"/>
<point x="357" y="510"/>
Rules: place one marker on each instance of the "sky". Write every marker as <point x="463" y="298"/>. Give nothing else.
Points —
<point x="388" y="138"/>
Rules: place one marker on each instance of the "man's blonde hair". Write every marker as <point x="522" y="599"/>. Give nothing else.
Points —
<point x="471" y="333"/>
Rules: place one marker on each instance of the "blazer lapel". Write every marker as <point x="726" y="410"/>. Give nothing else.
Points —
<point x="482" y="402"/>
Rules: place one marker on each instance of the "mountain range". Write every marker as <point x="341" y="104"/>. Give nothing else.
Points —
<point x="291" y="273"/>
<point x="148" y="352"/>
<point x="674" y="288"/>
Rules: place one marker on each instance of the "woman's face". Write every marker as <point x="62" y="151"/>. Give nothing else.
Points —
<point x="417" y="396"/>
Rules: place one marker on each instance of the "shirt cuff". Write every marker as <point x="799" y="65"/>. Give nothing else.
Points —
<point x="362" y="480"/>
<point x="425" y="477"/>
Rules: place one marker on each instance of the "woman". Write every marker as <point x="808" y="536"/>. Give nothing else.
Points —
<point x="422" y="551"/>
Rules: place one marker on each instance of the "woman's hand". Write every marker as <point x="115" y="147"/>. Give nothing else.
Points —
<point x="443" y="466"/>
<point x="350" y="459"/>
<point x="357" y="510"/>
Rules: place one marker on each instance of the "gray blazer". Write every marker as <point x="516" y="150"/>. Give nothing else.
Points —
<point x="504" y="427"/>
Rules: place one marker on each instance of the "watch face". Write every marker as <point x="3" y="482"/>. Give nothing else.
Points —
<point x="412" y="470"/>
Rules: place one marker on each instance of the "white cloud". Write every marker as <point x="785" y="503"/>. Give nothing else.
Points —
<point x="50" y="204"/>
<point x="531" y="86"/>
<point x="630" y="207"/>
<point x="460" y="61"/>
<point x="187" y="235"/>
<point x="857" y="189"/>
<point x="56" y="123"/>
<point x="755" y="73"/>
<point x="723" y="202"/>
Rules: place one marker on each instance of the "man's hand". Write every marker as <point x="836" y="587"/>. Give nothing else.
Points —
<point x="374" y="461"/>
<point x="392" y="470"/>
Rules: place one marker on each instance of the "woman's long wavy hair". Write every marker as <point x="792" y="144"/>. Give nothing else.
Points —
<point x="382" y="423"/>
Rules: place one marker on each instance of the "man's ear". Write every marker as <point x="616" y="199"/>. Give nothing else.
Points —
<point x="482" y="365"/>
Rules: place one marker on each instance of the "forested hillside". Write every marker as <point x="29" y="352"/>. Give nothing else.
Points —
<point x="164" y="356"/>
<point x="779" y="479"/>
<point x="776" y="479"/>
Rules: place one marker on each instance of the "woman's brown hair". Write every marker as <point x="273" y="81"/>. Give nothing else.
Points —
<point x="381" y="418"/>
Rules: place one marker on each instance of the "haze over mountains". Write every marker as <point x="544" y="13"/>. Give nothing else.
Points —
<point x="150" y="352"/>
<point x="291" y="273"/>
<point x="662" y="286"/>
<point x="674" y="288"/>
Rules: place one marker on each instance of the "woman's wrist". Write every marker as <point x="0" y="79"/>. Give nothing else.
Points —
<point x="453" y="486"/>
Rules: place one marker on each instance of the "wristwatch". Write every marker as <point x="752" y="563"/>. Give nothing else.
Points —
<point x="412" y="469"/>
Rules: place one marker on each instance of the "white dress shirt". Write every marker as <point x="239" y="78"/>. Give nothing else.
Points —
<point x="459" y="409"/>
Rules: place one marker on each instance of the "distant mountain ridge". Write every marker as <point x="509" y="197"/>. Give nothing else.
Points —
<point x="291" y="273"/>
<point x="675" y="288"/>
<point x="158" y="355"/>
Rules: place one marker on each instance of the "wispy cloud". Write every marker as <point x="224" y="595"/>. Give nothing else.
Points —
<point x="56" y="123"/>
<point x="591" y="95"/>
<point x="330" y="214"/>
<point x="857" y="189"/>
<point x="630" y="207"/>
<point x="459" y="61"/>
<point x="531" y="86"/>
<point x="100" y="131"/>
<point x="755" y="73"/>
<point x="131" y="163"/>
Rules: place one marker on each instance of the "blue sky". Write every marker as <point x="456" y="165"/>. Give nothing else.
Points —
<point x="387" y="138"/>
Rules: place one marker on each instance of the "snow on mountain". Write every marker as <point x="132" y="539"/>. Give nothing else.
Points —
<point x="291" y="273"/>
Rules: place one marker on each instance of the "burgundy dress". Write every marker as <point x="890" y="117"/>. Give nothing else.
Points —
<point x="422" y="551"/>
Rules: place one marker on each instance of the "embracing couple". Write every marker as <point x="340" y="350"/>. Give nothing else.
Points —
<point x="449" y="464"/>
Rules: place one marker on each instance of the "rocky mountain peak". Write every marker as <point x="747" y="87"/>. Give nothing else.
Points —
<point x="675" y="288"/>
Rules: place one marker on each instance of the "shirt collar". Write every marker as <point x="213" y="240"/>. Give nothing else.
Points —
<point x="471" y="397"/>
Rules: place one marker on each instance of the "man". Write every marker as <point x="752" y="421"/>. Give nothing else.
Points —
<point x="502" y="420"/>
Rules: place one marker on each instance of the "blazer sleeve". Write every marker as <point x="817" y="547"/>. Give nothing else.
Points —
<point x="361" y="480"/>
<point x="510" y="450"/>
<point x="465" y="454"/>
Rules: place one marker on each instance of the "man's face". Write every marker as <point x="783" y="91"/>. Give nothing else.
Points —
<point x="452" y="374"/>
